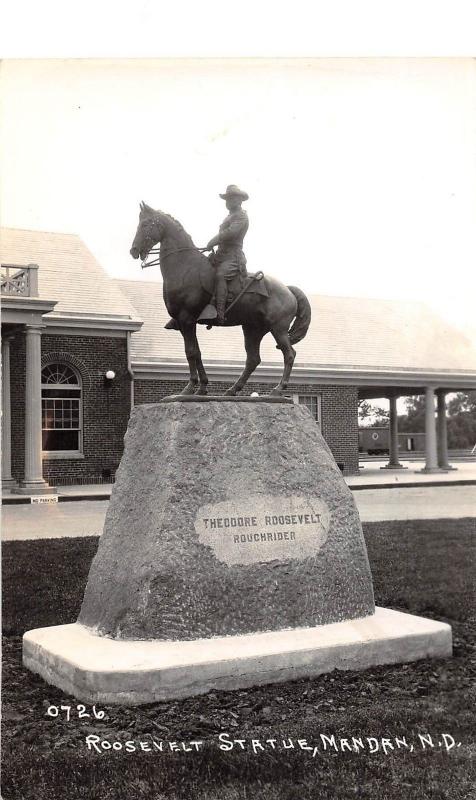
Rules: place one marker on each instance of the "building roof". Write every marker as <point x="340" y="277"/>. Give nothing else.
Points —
<point x="68" y="272"/>
<point x="346" y="333"/>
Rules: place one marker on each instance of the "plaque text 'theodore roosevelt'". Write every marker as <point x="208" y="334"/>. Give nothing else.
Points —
<point x="263" y="528"/>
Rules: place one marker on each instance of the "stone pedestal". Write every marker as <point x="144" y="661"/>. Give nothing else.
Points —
<point x="227" y="520"/>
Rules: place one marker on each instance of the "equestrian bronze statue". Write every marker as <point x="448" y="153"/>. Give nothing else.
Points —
<point x="192" y="282"/>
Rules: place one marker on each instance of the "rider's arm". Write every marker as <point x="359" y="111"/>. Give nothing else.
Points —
<point x="234" y="229"/>
<point x="213" y="242"/>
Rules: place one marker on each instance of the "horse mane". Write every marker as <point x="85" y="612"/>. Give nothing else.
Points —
<point x="177" y="224"/>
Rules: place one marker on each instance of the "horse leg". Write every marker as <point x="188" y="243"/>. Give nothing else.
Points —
<point x="253" y="338"/>
<point x="202" y="389"/>
<point x="282" y="340"/>
<point x="191" y="351"/>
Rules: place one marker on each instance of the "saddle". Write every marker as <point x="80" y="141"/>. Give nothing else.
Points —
<point x="237" y="285"/>
<point x="248" y="282"/>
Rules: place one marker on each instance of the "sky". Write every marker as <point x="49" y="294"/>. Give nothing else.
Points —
<point x="361" y="172"/>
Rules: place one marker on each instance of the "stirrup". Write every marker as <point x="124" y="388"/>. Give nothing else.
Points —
<point x="208" y="314"/>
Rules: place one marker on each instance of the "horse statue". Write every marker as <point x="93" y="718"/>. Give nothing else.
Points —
<point x="188" y="286"/>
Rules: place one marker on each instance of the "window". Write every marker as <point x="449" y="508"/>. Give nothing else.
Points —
<point x="312" y="402"/>
<point x="61" y="409"/>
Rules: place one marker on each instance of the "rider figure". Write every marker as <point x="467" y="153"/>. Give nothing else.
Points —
<point x="229" y="259"/>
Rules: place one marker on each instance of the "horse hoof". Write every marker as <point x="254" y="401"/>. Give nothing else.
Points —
<point x="231" y="393"/>
<point x="275" y="392"/>
<point x="190" y="389"/>
<point x="201" y="391"/>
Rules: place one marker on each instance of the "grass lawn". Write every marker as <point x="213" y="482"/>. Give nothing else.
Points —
<point x="423" y="567"/>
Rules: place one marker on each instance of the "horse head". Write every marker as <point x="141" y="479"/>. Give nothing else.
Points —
<point x="150" y="231"/>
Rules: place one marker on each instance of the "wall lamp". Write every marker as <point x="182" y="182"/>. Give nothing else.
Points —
<point x="108" y="378"/>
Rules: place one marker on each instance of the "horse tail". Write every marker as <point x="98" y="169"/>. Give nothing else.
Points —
<point x="302" y="321"/>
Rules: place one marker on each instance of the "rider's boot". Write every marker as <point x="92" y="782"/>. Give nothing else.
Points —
<point x="172" y="325"/>
<point x="220" y="292"/>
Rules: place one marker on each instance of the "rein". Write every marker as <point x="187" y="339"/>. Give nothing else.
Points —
<point x="155" y="261"/>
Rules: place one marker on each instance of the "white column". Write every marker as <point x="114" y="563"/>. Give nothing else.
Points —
<point x="442" y="430"/>
<point x="7" y="481"/>
<point x="33" y="482"/>
<point x="431" y="455"/>
<point x="393" y="462"/>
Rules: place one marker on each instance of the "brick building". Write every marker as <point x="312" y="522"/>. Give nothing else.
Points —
<point x="79" y="348"/>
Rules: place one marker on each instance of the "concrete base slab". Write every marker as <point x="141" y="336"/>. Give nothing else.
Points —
<point x="99" y="670"/>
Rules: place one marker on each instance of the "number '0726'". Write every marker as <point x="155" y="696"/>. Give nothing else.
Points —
<point x="79" y="711"/>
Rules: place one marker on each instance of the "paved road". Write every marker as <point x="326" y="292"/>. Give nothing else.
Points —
<point x="86" y="517"/>
<point x="81" y="518"/>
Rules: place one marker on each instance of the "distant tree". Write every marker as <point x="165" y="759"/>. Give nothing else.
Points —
<point x="372" y="416"/>
<point x="462" y="420"/>
<point x="462" y="402"/>
<point x="382" y="417"/>
<point x="462" y="431"/>
<point x="414" y="420"/>
<point x="365" y="410"/>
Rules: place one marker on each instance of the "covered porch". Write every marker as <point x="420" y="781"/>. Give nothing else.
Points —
<point x="436" y="431"/>
<point x="22" y="312"/>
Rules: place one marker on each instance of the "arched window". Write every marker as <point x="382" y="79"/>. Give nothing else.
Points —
<point x="61" y="409"/>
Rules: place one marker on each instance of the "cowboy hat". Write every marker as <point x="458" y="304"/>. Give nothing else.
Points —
<point x="233" y="191"/>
